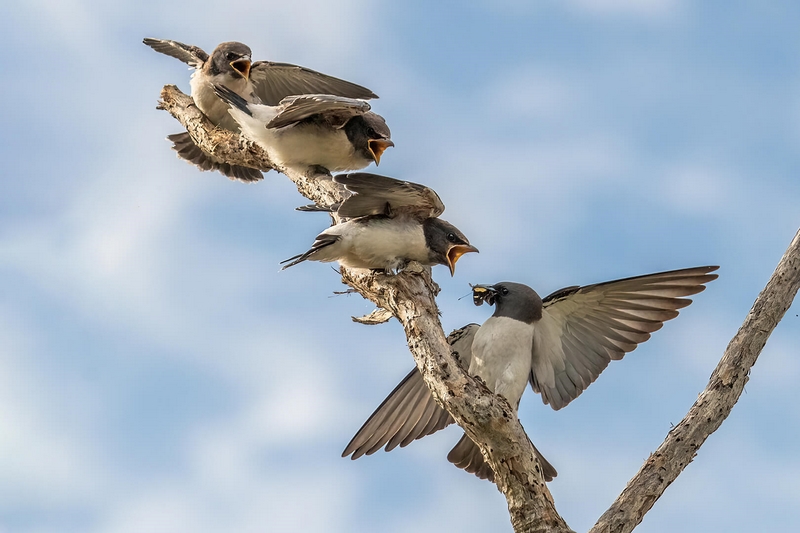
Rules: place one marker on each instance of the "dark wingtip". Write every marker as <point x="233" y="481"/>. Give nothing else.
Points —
<point x="231" y="98"/>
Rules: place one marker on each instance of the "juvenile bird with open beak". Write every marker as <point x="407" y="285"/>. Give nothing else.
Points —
<point x="317" y="132"/>
<point x="266" y="82"/>
<point x="390" y="223"/>
<point x="559" y="344"/>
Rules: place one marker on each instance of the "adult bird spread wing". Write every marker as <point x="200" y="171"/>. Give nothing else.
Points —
<point x="560" y="344"/>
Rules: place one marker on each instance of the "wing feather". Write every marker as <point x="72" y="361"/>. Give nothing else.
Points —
<point x="375" y="194"/>
<point x="275" y="81"/>
<point x="409" y="412"/>
<point x="583" y="328"/>
<point x="337" y="110"/>
<point x="191" y="55"/>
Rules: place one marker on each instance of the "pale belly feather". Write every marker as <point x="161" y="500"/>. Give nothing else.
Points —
<point x="501" y="356"/>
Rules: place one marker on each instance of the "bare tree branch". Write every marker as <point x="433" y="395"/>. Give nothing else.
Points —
<point x="713" y="405"/>
<point x="410" y="296"/>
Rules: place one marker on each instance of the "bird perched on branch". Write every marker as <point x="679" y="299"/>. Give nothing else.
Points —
<point x="322" y="132"/>
<point x="391" y="223"/>
<point x="559" y="344"/>
<point x="266" y="82"/>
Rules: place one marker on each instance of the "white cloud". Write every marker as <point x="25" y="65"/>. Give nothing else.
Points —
<point x="46" y="452"/>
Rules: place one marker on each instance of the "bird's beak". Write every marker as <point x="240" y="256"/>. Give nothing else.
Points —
<point x="455" y="252"/>
<point x="377" y="147"/>
<point x="483" y="293"/>
<point x="242" y="66"/>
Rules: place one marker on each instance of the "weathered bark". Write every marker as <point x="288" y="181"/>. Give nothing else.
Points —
<point x="713" y="405"/>
<point x="410" y="296"/>
<point x="488" y="419"/>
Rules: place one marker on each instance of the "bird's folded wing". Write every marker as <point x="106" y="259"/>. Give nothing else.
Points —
<point x="337" y="110"/>
<point x="583" y="328"/>
<point x="409" y="412"/>
<point x="275" y="81"/>
<point x="376" y="195"/>
<point x="192" y="55"/>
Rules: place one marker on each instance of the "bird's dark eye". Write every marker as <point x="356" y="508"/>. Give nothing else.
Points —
<point x="504" y="291"/>
<point x="230" y="56"/>
<point x="371" y="132"/>
<point x="451" y="237"/>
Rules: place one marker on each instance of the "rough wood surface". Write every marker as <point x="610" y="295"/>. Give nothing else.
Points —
<point x="411" y="297"/>
<point x="713" y="405"/>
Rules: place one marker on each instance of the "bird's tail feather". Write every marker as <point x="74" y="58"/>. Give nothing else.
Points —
<point x="187" y="150"/>
<point x="321" y="242"/>
<point x="466" y="454"/>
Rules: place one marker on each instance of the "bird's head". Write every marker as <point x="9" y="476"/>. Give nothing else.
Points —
<point x="378" y="136"/>
<point x="445" y="242"/>
<point x="232" y="58"/>
<point x="510" y="299"/>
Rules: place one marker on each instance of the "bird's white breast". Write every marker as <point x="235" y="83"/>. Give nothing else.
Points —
<point x="307" y="144"/>
<point x="210" y="104"/>
<point x="379" y="243"/>
<point x="501" y="356"/>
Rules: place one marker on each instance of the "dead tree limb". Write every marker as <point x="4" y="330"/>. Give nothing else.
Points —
<point x="713" y="405"/>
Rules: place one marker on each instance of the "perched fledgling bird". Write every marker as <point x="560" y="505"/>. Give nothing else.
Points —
<point x="559" y="344"/>
<point x="266" y="82"/>
<point x="335" y="133"/>
<point x="391" y="223"/>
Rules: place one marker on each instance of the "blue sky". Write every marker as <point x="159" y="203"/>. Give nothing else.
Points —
<point x="157" y="372"/>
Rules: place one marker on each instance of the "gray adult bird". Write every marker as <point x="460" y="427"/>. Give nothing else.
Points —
<point x="390" y="223"/>
<point x="322" y="132"/>
<point x="559" y="344"/>
<point x="266" y="82"/>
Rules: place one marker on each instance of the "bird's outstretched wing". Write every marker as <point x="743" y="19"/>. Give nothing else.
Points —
<point x="275" y="81"/>
<point x="381" y="195"/>
<point x="336" y="110"/>
<point x="409" y="412"/>
<point x="583" y="328"/>
<point x="189" y="54"/>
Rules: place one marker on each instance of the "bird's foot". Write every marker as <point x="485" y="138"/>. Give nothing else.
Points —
<point x="318" y="172"/>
